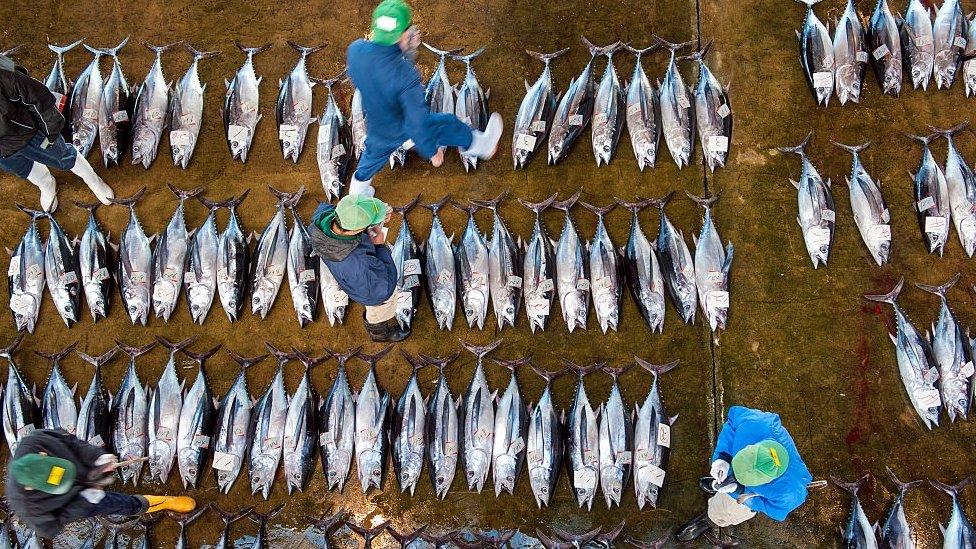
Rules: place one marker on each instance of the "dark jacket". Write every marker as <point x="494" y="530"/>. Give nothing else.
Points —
<point x="26" y="107"/>
<point x="48" y="513"/>
<point x="363" y="270"/>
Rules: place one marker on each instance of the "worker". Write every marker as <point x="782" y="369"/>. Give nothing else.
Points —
<point x="56" y="478"/>
<point x="382" y="69"/>
<point x="755" y="469"/>
<point x="30" y="137"/>
<point x="350" y="238"/>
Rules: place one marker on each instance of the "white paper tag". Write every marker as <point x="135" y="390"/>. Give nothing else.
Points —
<point x="25" y="430"/>
<point x="929" y="398"/>
<point x="514" y="281"/>
<point x="583" y="285"/>
<point x="602" y="284"/>
<point x="517" y="446"/>
<point x="714" y="276"/>
<point x="287" y="132"/>
<point x="68" y="277"/>
<point x="539" y="126"/>
<point x="880" y="233"/>
<point x="584" y="477"/>
<point x="828" y="215"/>
<point x="340" y="298"/>
<point x="188" y="119"/>
<point x="642" y="454"/>
<point x="935" y="224"/>
<point x="164" y="433"/>
<point x="970" y="68"/>
<point x="97" y="441"/>
<point x="861" y="57"/>
<point x="90" y="114"/>
<point x="655" y="475"/>
<point x="14" y="265"/>
<point x="338" y="150"/>
<point x="599" y="119"/>
<point x="411" y="281"/>
<point x="404" y="299"/>
<point x="411" y="267"/>
<point x="190" y="277"/>
<point x="633" y="109"/>
<point x="445" y="277"/>
<point x="200" y="441"/>
<point x="179" y="138"/>
<point x="100" y="274"/>
<point x="959" y="42"/>
<point x="576" y="120"/>
<point x="35" y="271"/>
<point x="923" y="40"/>
<point x="664" y="435"/>
<point x="539" y="306"/>
<point x="717" y="299"/>
<point x="925" y="203"/>
<point x="819" y="236"/>
<point x="478" y="280"/>
<point x="154" y="114"/>
<point x="525" y="142"/>
<point x="325" y="133"/>
<point x="823" y="79"/>
<point x="967" y="369"/>
<point x="718" y="143"/>
<point x="624" y="458"/>
<point x="308" y="275"/>
<point x="880" y="52"/>
<point x="545" y="286"/>
<point x="224" y="462"/>
<point x="120" y="116"/>
<point x="162" y="292"/>
<point x="238" y="134"/>
<point x="724" y="110"/>
<point x="535" y="456"/>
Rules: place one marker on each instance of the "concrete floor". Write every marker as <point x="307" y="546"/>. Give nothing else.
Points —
<point x="800" y="342"/>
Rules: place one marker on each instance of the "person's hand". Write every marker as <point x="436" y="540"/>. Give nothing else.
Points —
<point x="413" y="37"/>
<point x="438" y="158"/>
<point x="389" y="214"/>
<point x="724" y="488"/>
<point x="107" y="462"/>
<point x="720" y="470"/>
<point x="103" y="473"/>
<point x="376" y="235"/>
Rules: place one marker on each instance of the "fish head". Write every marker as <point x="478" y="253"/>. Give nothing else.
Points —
<point x="95" y="300"/>
<point x="137" y="303"/>
<point x="371" y="462"/>
<point x="539" y="479"/>
<point x="24" y="307"/>
<point x="188" y="464"/>
<point x="504" y="474"/>
<point x="882" y="252"/>
<point x="475" y="303"/>
<point x="200" y="298"/>
<point x="143" y="144"/>
<point x="557" y="143"/>
<point x="921" y="68"/>
<point x="82" y="137"/>
<point x="507" y="314"/>
<point x="444" y="304"/>
<point x="520" y="157"/>
<point x="477" y="469"/>
<point x="613" y="487"/>
<point x="892" y="77"/>
<point x="262" y="471"/>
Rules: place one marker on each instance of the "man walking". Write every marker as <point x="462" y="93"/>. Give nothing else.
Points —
<point x="56" y="478"/>
<point x="30" y="137"/>
<point x="383" y="71"/>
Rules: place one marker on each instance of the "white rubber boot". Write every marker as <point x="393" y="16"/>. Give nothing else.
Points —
<point x="98" y="187"/>
<point x="485" y="144"/>
<point x="42" y="178"/>
<point x="364" y="188"/>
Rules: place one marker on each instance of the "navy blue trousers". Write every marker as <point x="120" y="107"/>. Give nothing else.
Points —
<point x="445" y="130"/>
<point x="58" y="154"/>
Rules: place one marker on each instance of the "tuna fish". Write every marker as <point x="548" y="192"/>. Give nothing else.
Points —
<point x="96" y="264"/>
<point x="677" y="265"/>
<point x="677" y="111"/>
<point x="817" y="214"/>
<point x="643" y="108"/>
<point x="583" y="440"/>
<point x="25" y="275"/>
<point x="714" y="114"/>
<point x="951" y="354"/>
<point x="135" y="263"/>
<point x="58" y="408"/>
<point x="895" y="531"/>
<point x="268" y="429"/>
<point x="408" y="429"/>
<point x="233" y="262"/>
<point x="405" y="539"/>
<point x="439" y="92"/>
<point x="932" y="205"/>
<point x="871" y="214"/>
<point x="961" y="183"/>
<point x="504" y="268"/>
<point x="368" y="534"/>
<point x="816" y="55"/>
<point x="293" y="111"/>
<point x="130" y="414"/>
<point x="959" y="531"/>
<point x="407" y="258"/>
<point x="884" y="44"/>
<point x="184" y="519"/>
<point x="196" y="426"/>
<point x="439" y="269"/>
<point x="63" y="273"/>
<point x="302" y="268"/>
<point x="573" y="541"/>
<point x="271" y="256"/>
<point x="949" y="33"/>
<point x="357" y="124"/>
<point x="150" y="114"/>
<point x="609" y="111"/>
<point x="918" y="374"/>
<point x="260" y="542"/>
<point x="443" y="429"/>
<point x="572" y="283"/>
<point x="115" y="111"/>
<point x="241" y="104"/>
<point x="334" y="143"/>
<point x="301" y="428"/>
<point x="165" y="408"/>
<point x="471" y="260"/>
<point x="186" y="110"/>
<point x="539" y="268"/>
<point x="94" y="413"/>
<point x="712" y="267"/>
<point x="606" y="273"/>
<point x="372" y="421"/>
<point x="170" y="257"/>
<point x="113" y="528"/>
<point x="58" y="83"/>
<point x="231" y="427"/>
<point x="858" y="532"/>
<point x="471" y="105"/>
<point x="575" y="108"/>
<point x="918" y="48"/>
<point x="337" y="427"/>
<point x="642" y="270"/>
<point x="652" y="438"/>
<point x="535" y="113"/>
<point x="616" y="442"/>
<point x="86" y="99"/>
<point x="850" y="55"/>
<point x="228" y="518"/>
<point x="334" y="298"/>
<point x="511" y="431"/>
<point x="969" y="57"/>
<point x="478" y="421"/>
<point x="201" y="273"/>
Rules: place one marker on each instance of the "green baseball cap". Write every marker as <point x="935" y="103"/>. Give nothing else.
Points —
<point x="760" y="463"/>
<point x="356" y="211"/>
<point x="390" y="19"/>
<point x="48" y="474"/>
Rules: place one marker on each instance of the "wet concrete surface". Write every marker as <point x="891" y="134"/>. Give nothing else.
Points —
<point x="800" y="342"/>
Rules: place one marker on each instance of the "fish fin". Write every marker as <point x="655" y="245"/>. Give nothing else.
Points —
<point x="828" y="183"/>
<point x="889" y="297"/>
<point x="941" y="289"/>
<point x="526" y="82"/>
<point x="226" y="83"/>
<point x="795" y="183"/>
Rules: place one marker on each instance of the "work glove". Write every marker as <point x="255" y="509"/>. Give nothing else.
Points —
<point x="724" y="488"/>
<point x="719" y="470"/>
<point x="102" y="474"/>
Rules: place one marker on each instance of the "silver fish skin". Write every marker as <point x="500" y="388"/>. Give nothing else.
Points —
<point x="58" y="408"/>
<point x="337" y="427"/>
<point x="478" y="421"/>
<point x="895" y="531"/>
<point x="609" y="112"/>
<point x="677" y="265"/>
<point x="334" y="149"/>
<point x="471" y="264"/>
<point x="184" y="519"/>
<point x="969" y="63"/>
<point x="918" y="374"/>
<point x="357" y="124"/>
<point x="850" y="55"/>
<point x="958" y="532"/>
<point x="643" y="108"/>
<point x="270" y="259"/>
<point x="86" y="99"/>
<point x="606" y="274"/>
<point x="268" y="430"/>
<point x="951" y="354"/>
<point x="62" y="273"/>
<point x="233" y="262"/>
<point x="58" y="83"/>
<point x="130" y="414"/>
<point x="196" y="427"/>
<point x="231" y="427"/>
<point x="583" y="441"/>
<point x="572" y="272"/>
<point x="443" y="430"/>
<point x="643" y="270"/>
<point x="334" y="299"/>
<point x="241" y="104"/>
<point x="170" y="257"/>
<point x="372" y="420"/>
<point x="857" y="532"/>
<point x="652" y="439"/>
<point x="293" y="111"/>
<point x="260" y="542"/>
<point x="511" y="432"/>
<point x="917" y="43"/>
<point x="439" y="269"/>
<point x="712" y="268"/>
<point x="714" y="115"/>
<point x="504" y="268"/>
<point x="575" y="109"/>
<point x="535" y="112"/>
<point x="201" y="273"/>
<point x="407" y="430"/>
<point x="25" y="276"/>
<point x="21" y="414"/>
<point x="961" y="184"/>
<point x="94" y="412"/>
<point x="407" y="258"/>
<point x="871" y="214"/>
<point x="816" y="55"/>
<point x="949" y="35"/>
<point x="884" y="44"/>
<point x="150" y="115"/>
<point x="471" y="104"/>
<point x="186" y="109"/>
<point x="95" y="264"/>
<point x="301" y="429"/>
<point x="677" y="116"/>
<point x="302" y="271"/>
<point x="135" y="264"/>
<point x="224" y="541"/>
<point x="115" y="111"/>
<point x="616" y="442"/>
<point x="815" y="203"/>
<point x="165" y="407"/>
<point x="439" y="93"/>
<point x="932" y="205"/>
<point x="539" y="269"/>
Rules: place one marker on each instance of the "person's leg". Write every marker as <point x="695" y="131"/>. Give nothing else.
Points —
<point x="451" y="132"/>
<point x="723" y="510"/>
<point x="381" y="323"/>
<point x="115" y="503"/>
<point x="371" y="162"/>
<point x="59" y="154"/>
<point x="23" y="167"/>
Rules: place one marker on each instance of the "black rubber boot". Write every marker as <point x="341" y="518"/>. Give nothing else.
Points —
<point x="388" y="330"/>
<point x="694" y="528"/>
<point x="705" y="483"/>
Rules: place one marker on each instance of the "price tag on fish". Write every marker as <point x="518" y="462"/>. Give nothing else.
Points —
<point x="411" y="281"/>
<point x="584" y="477"/>
<point x="861" y="56"/>
<point x="411" y="267"/>
<point x="164" y="433"/>
<point x="715" y="276"/>
<point x="517" y="446"/>
<point x="25" y="430"/>
<point x="967" y="369"/>
<point x="288" y="133"/>
<point x="90" y="114"/>
<point x="163" y="292"/>
<point x="880" y="52"/>
<point x="120" y="116"/>
<point x="633" y="109"/>
<point x="325" y="438"/>
<point x="576" y="120"/>
<point x="539" y="126"/>
<point x="514" y="281"/>
<point x="403" y="299"/>
<point x="819" y="236"/>
<point x="224" y="462"/>
<point x="582" y="284"/>
<point x="97" y="440"/>
<point x="925" y="203"/>
<point x="525" y="142"/>
<point x="935" y="225"/>
<point x="718" y="144"/>
<point x="539" y="306"/>
<point x="655" y="475"/>
<point x="624" y="458"/>
<point x="340" y="298"/>
<point x="308" y="275"/>
<point x="179" y="138"/>
<point x="238" y="134"/>
<point x="602" y="284"/>
<point x="959" y="42"/>
<point x="445" y="277"/>
<point x="479" y="279"/>
<point x="970" y="68"/>
<point x="823" y="79"/>
<point x="14" y="267"/>
<point x="200" y="441"/>
<point x="190" y="277"/>
<point x="880" y="233"/>
<point x="724" y="111"/>
<point x="664" y="435"/>
<point x="22" y="304"/>
<point x="599" y="119"/>
<point x="35" y="271"/>
<point x="717" y="299"/>
<point x="929" y="398"/>
<point x="338" y="150"/>
<point x="642" y="454"/>
<point x="545" y="286"/>
<point x="535" y="456"/>
<point x="828" y="215"/>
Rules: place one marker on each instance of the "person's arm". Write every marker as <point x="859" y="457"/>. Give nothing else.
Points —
<point x="723" y="446"/>
<point x="377" y="281"/>
<point x="415" y="114"/>
<point x="47" y="525"/>
<point x="85" y="452"/>
<point x="38" y="100"/>
<point x="779" y="505"/>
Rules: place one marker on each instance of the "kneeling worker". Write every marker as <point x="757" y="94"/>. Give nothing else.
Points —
<point x="56" y="478"/>
<point x="351" y="240"/>
<point x="755" y="469"/>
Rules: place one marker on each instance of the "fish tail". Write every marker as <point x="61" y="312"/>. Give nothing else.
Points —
<point x="8" y="351"/>
<point x="129" y="201"/>
<point x="200" y="54"/>
<point x="305" y="51"/>
<point x="546" y="57"/>
<point x="12" y="51"/>
<point x="111" y="52"/>
<point x="660" y="203"/>
<point x="600" y="50"/>
<point x="229" y="517"/>
<point x="442" y="53"/>
<point x="615" y="373"/>
<point x="941" y="289"/>
<point x="471" y="207"/>
<point x="405" y="539"/>
<point x="100" y="360"/>
<point x="656" y="369"/>
<point x="641" y="51"/>
<point x="513" y="365"/>
<point x="202" y="357"/>
<point x="952" y="490"/>
<point x="697" y="55"/>
<point x="547" y="375"/>
<point x="567" y="205"/>
<point x="252" y="50"/>
<point x="704" y="202"/>
<point x="56" y="356"/>
<point x="405" y="209"/>
<point x="327" y="524"/>
<point x="583" y="371"/>
<point x="634" y="207"/>
<point x="481" y="350"/>
<point x="810" y="3"/>
<point x="798" y="149"/>
<point x="61" y="50"/>
<point x="889" y="297"/>
<point x="90" y="206"/>
<point x="440" y="362"/>
<point x="159" y="50"/>
<point x="437" y="205"/>
<point x="600" y="211"/>
<point x="311" y="361"/>
<point x="415" y="362"/>
<point x="492" y="203"/>
<point x="184" y="194"/>
<point x="186" y="518"/>
<point x="329" y="82"/>
<point x="853" y="149"/>
<point x="374" y="358"/>
<point x="924" y="140"/>
<point x="246" y="362"/>
<point x="902" y="486"/>
<point x="671" y="45"/>
<point x="33" y="213"/>
<point x="343" y="357"/>
<point x="281" y="356"/>
<point x="230" y="203"/>
<point x="177" y="346"/>
<point x="287" y="200"/>
<point x="538" y="207"/>
<point x="578" y="540"/>
<point x="263" y="518"/>
<point x="133" y="352"/>
<point x="466" y="59"/>
<point x="851" y="487"/>
<point x="949" y="132"/>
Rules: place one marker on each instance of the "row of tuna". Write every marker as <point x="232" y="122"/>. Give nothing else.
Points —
<point x="915" y="44"/>
<point x="474" y="272"/>
<point x="602" y="447"/>
<point x="940" y="195"/>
